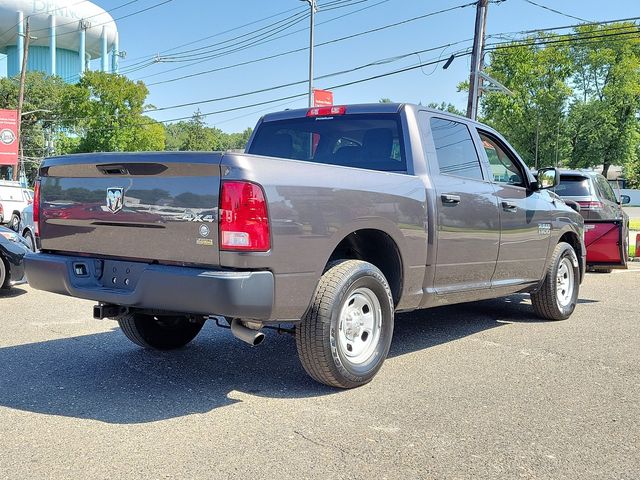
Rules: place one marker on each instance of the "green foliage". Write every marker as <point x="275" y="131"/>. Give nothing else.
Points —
<point x="604" y="115"/>
<point x="533" y="118"/>
<point x="42" y="109"/>
<point x="385" y="100"/>
<point x="446" y="107"/>
<point x="194" y="135"/>
<point x="576" y="102"/>
<point x="107" y="114"/>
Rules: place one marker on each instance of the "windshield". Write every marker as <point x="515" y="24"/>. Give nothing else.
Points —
<point x="364" y="141"/>
<point x="573" y="186"/>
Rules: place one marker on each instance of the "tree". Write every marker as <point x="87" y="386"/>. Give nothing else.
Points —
<point x="604" y="115"/>
<point x="446" y="107"/>
<point x="198" y="137"/>
<point x="385" y="100"/>
<point x="42" y="109"/>
<point x="106" y="112"/>
<point x="194" y="135"/>
<point x="533" y="119"/>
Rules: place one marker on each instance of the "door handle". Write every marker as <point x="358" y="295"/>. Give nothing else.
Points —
<point x="509" y="207"/>
<point x="450" y="199"/>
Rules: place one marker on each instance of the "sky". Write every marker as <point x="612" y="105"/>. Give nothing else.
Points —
<point x="162" y="30"/>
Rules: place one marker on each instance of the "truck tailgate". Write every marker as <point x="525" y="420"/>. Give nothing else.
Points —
<point x="606" y="242"/>
<point x="146" y="206"/>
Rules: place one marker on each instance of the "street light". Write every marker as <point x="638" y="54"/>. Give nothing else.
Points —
<point x="313" y="7"/>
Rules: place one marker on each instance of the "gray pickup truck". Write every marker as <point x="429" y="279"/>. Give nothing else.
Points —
<point x="333" y="219"/>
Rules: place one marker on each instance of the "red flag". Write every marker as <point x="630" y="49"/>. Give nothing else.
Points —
<point x="322" y="98"/>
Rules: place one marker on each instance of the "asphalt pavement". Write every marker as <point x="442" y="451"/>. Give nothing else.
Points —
<point x="477" y="391"/>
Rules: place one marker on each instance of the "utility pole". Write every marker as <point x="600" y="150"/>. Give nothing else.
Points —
<point x="313" y="6"/>
<point x="476" y="58"/>
<point x="23" y="75"/>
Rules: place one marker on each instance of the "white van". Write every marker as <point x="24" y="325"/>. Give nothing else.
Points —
<point x="13" y="199"/>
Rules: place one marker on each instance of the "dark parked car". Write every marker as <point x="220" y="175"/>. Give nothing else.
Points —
<point x="593" y="193"/>
<point x="606" y="223"/>
<point x="13" y="249"/>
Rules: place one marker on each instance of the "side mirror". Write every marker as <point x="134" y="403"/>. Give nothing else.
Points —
<point x="548" y="178"/>
<point x="625" y="199"/>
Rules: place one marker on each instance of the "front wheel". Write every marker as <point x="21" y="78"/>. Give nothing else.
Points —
<point x="558" y="295"/>
<point x="344" y="338"/>
<point x="159" y="332"/>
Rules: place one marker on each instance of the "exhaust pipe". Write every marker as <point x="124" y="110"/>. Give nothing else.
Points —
<point x="247" y="335"/>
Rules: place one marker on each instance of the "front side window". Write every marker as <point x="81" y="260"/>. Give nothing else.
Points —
<point x="504" y="169"/>
<point x="455" y="151"/>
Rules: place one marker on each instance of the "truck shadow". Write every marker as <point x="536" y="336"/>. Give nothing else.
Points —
<point x="104" y="377"/>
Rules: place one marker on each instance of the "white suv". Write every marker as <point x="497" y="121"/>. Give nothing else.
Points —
<point x="13" y="199"/>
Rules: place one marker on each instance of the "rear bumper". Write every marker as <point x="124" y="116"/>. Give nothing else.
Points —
<point x="157" y="287"/>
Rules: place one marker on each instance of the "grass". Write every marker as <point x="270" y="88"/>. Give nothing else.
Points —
<point x="632" y="250"/>
<point x="634" y="224"/>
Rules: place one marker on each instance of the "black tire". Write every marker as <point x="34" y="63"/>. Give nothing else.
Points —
<point x="30" y="240"/>
<point x="14" y="223"/>
<point x="547" y="302"/>
<point x="320" y="334"/>
<point x="600" y="270"/>
<point x="5" y="277"/>
<point x="159" y="332"/>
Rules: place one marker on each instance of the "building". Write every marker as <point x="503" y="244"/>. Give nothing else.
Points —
<point x="65" y="36"/>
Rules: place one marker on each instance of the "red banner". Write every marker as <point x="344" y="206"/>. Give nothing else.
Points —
<point x="322" y="98"/>
<point x="8" y="137"/>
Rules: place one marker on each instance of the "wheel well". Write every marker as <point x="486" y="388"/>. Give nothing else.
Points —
<point x="377" y="248"/>
<point x="572" y="239"/>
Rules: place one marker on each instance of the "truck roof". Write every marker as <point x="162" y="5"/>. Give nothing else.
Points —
<point x="357" y="108"/>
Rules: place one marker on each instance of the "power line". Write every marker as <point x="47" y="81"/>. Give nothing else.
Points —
<point x="211" y="52"/>
<point x="267" y="41"/>
<point x="261" y="33"/>
<point x="321" y="44"/>
<point x="556" y="11"/>
<point x="193" y="42"/>
<point x="579" y="37"/>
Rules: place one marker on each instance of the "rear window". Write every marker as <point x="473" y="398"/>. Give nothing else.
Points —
<point x="364" y="141"/>
<point x="573" y="186"/>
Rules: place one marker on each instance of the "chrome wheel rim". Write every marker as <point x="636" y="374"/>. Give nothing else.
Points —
<point x="564" y="283"/>
<point x="360" y="326"/>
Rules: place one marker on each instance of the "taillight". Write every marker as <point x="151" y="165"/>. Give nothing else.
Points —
<point x="326" y="111"/>
<point x="36" y="208"/>
<point x="244" y="222"/>
<point x="591" y="205"/>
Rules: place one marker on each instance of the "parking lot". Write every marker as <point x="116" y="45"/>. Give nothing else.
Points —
<point x="474" y="391"/>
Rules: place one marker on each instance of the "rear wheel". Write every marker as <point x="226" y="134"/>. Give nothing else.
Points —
<point x="558" y="296"/>
<point x="14" y="224"/>
<point x="159" y="332"/>
<point x="345" y="336"/>
<point x="30" y="240"/>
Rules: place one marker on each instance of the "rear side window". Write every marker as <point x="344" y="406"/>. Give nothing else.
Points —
<point x="364" y="141"/>
<point x="573" y="186"/>
<point x="605" y="189"/>
<point x="454" y="149"/>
